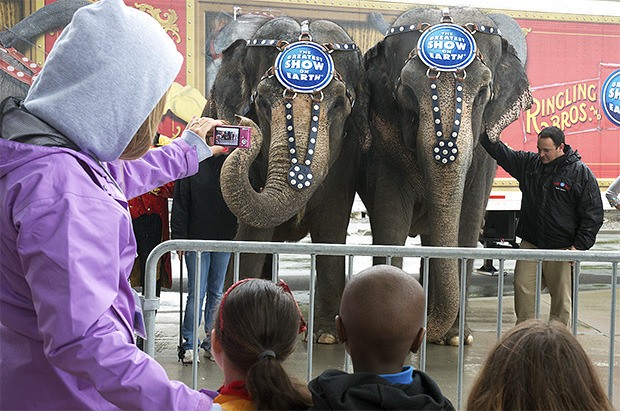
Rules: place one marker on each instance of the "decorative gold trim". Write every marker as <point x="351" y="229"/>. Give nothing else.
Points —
<point x="190" y="44"/>
<point x="176" y="129"/>
<point x="510" y="184"/>
<point x="168" y="20"/>
<point x="38" y="54"/>
<point x="507" y="184"/>
<point x="394" y="6"/>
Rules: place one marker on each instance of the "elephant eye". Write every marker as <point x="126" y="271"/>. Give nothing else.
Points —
<point x="484" y="95"/>
<point x="263" y="106"/>
<point x="338" y="103"/>
<point x="408" y="98"/>
<point x="484" y="91"/>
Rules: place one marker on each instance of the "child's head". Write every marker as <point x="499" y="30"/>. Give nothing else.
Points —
<point x="256" y="329"/>
<point x="381" y="318"/>
<point x="538" y="365"/>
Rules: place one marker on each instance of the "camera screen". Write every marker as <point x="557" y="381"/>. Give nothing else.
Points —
<point x="226" y="136"/>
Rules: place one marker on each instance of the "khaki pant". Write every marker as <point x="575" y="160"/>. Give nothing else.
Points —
<point x="556" y="276"/>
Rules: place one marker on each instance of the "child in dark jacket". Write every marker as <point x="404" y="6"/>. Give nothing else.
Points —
<point x="380" y="321"/>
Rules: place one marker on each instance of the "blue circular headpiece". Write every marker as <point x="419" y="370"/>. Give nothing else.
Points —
<point x="304" y="67"/>
<point x="610" y="97"/>
<point x="447" y="47"/>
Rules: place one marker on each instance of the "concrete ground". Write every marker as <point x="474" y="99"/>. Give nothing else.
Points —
<point x="593" y="333"/>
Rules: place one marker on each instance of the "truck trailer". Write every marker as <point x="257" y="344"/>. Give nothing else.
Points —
<point x="571" y="52"/>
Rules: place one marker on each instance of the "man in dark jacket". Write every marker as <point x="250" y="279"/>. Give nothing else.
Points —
<point x="561" y="208"/>
<point x="381" y="320"/>
<point x="200" y="213"/>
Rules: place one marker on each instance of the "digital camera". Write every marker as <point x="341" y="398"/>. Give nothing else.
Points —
<point x="232" y="136"/>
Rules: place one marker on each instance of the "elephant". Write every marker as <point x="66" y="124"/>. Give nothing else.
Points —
<point x="52" y="16"/>
<point x="426" y="173"/>
<point x="273" y="199"/>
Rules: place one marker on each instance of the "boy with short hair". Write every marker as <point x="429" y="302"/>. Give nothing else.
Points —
<point x="380" y="321"/>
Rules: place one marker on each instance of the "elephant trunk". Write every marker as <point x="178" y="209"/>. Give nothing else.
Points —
<point x="54" y="15"/>
<point x="277" y="201"/>
<point x="443" y="289"/>
<point x="444" y="186"/>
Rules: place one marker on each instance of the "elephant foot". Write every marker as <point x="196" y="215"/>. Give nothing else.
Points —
<point x="322" y="337"/>
<point x="452" y="337"/>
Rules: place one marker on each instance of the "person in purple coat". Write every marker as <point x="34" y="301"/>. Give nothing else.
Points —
<point x="70" y="156"/>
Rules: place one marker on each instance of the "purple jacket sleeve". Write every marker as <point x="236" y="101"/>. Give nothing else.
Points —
<point x="156" y="168"/>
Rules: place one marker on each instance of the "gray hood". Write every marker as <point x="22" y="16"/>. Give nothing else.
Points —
<point x="105" y="74"/>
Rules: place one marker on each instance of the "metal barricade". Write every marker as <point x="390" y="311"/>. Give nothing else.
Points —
<point x="151" y="302"/>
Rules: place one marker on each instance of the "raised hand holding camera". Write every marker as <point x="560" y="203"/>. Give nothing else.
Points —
<point x="202" y="126"/>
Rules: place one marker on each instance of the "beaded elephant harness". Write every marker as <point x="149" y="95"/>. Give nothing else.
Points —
<point x="445" y="47"/>
<point x="305" y="67"/>
<point x="20" y="75"/>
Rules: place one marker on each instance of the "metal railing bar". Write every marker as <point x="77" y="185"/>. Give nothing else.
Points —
<point x="538" y="288"/>
<point x="348" y="367"/>
<point x="461" y="354"/>
<point x="425" y="271"/>
<point x="196" y="325"/>
<point x="311" y="314"/>
<point x="612" y="330"/>
<point x="500" y="299"/>
<point x="236" y="266"/>
<point x="275" y="267"/>
<point x="377" y="250"/>
<point x="575" y="271"/>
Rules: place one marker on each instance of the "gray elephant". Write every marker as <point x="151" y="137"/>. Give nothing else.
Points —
<point x="438" y="80"/>
<point x="299" y="175"/>
<point x="52" y="16"/>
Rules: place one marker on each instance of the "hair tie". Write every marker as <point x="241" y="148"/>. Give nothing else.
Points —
<point x="266" y="353"/>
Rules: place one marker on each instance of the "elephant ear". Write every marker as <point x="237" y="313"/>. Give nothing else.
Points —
<point x="383" y="112"/>
<point x="511" y="93"/>
<point x="512" y="32"/>
<point x="378" y="22"/>
<point x="231" y="91"/>
<point x="49" y="17"/>
<point x="357" y="122"/>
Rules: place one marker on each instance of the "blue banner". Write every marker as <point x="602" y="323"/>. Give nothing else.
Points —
<point x="304" y="67"/>
<point x="610" y="97"/>
<point x="446" y="47"/>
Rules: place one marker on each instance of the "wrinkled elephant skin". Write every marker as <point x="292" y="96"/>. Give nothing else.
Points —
<point x="407" y="192"/>
<point x="255" y="182"/>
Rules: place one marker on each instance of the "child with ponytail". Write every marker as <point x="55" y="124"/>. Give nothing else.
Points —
<point x="255" y="330"/>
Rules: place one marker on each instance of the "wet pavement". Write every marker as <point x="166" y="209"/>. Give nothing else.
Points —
<point x="441" y="361"/>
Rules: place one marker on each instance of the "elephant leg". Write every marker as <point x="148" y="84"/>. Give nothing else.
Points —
<point x="452" y="335"/>
<point x="390" y="216"/>
<point x="329" y="225"/>
<point x="330" y="283"/>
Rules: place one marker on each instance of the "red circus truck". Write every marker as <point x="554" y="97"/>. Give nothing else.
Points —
<point x="573" y="52"/>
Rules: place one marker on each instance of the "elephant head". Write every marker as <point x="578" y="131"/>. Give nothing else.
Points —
<point x="438" y="80"/>
<point x="303" y="125"/>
